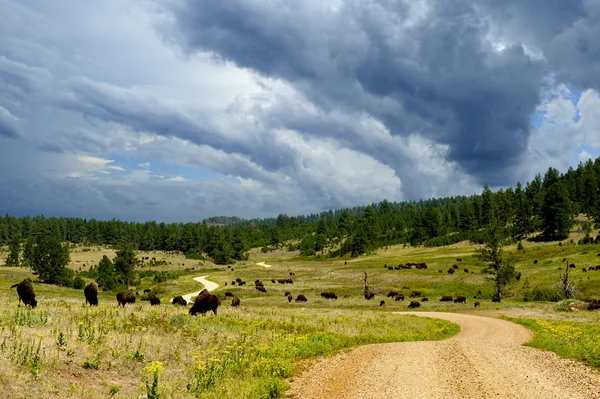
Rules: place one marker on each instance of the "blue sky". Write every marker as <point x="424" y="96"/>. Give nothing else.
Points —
<point x="180" y="110"/>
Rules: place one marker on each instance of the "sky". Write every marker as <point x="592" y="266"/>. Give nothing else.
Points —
<point x="178" y="110"/>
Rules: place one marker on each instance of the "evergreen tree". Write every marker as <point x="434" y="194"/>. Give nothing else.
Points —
<point x="502" y="271"/>
<point x="467" y="216"/>
<point x="488" y="208"/>
<point x="14" y="248"/>
<point x="49" y="261"/>
<point x="125" y="263"/>
<point x="556" y="219"/>
<point x="28" y="248"/>
<point x="106" y="274"/>
<point x="522" y="219"/>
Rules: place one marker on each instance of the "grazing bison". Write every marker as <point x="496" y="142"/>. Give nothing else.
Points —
<point x="425" y="299"/>
<point x="451" y="271"/>
<point x="440" y="271"/>
<point x="446" y="298"/>
<point x="399" y="297"/>
<point x="458" y="259"/>
<point x="205" y="302"/>
<point x="392" y="294"/>
<point x="233" y="283"/>
<point x="415" y="294"/>
<point x="260" y="288"/>
<point x="381" y="303"/>
<point x="535" y="261"/>
<point x="572" y="265"/>
<point x="287" y="293"/>
<point x="273" y="280"/>
<point x="455" y="266"/>
<point x="369" y="295"/>
<point x="584" y="270"/>
<point x="496" y="298"/>
<point x="414" y="304"/>
<point x="301" y="298"/>
<point x="460" y="299"/>
<point x="235" y="301"/>
<point x="147" y="291"/>
<point x="91" y="294"/>
<point x="476" y="304"/>
<point x="329" y="295"/>
<point x="466" y="270"/>
<point x="289" y="297"/>
<point x="594" y="305"/>
<point x="26" y="294"/>
<point x="122" y="298"/>
<point x="229" y="294"/>
<point x="130" y="298"/>
<point x="179" y="300"/>
<point x="240" y="283"/>
<point x="154" y="300"/>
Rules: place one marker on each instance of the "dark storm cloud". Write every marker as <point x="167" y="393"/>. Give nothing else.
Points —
<point x="566" y="31"/>
<point x="9" y="124"/>
<point x="435" y="75"/>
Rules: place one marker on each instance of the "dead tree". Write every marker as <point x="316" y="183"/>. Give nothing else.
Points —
<point x="567" y="287"/>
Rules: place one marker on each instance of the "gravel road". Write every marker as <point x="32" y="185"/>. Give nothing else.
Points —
<point x="209" y="285"/>
<point x="485" y="360"/>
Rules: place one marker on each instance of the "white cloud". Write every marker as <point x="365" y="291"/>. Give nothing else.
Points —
<point x="117" y="168"/>
<point x="145" y="165"/>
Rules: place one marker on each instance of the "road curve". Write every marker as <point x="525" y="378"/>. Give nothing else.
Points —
<point x="209" y="285"/>
<point x="263" y="264"/>
<point x="485" y="360"/>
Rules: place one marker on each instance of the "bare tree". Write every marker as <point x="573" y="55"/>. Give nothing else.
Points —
<point x="567" y="286"/>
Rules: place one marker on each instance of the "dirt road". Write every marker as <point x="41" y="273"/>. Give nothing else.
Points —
<point x="263" y="264"/>
<point x="485" y="360"/>
<point x="209" y="285"/>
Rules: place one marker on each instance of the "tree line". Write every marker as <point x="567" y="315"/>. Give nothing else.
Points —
<point x="546" y="203"/>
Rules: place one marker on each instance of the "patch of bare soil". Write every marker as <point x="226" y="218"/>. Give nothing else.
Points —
<point x="485" y="360"/>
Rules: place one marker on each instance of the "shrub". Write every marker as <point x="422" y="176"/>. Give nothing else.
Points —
<point x="78" y="283"/>
<point x="542" y="294"/>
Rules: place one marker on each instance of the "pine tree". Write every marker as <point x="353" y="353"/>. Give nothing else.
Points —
<point x="502" y="271"/>
<point x="488" y="207"/>
<point x="556" y="219"/>
<point x="522" y="219"/>
<point x="106" y="274"/>
<point x="125" y="263"/>
<point x="49" y="261"/>
<point x="14" y="247"/>
<point x="467" y="217"/>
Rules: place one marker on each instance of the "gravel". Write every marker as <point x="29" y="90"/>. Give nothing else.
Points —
<point x="485" y="360"/>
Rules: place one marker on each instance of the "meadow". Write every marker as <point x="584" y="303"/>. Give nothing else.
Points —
<point x="62" y="349"/>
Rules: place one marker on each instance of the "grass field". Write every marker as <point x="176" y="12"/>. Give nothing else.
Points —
<point x="62" y="349"/>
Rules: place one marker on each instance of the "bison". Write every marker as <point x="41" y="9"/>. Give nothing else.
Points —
<point x="425" y="299"/>
<point x="535" y="261"/>
<point x="381" y="303"/>
<point x="369" y="295"/>
<point x="154" y="300"/>
<point x="205" y="302"/>
<point x="179" y="300"/>
<point x="446" y="298"/>
<point x="91" y="294"/>
<point x="289" y="297"/>
<point x="451" y="271"/>
<point x="329" y="295"/>
<point x="414" y="304"/>
<point x="229" y="294"/>
<point x="260" y="288"/>
<point x="496" y="298"/>
<point x="130" y="298"/>
<point x="392" y="294"/>
<point x="460" y="299"/>
<point x="301" y="298"/>
<point x="122" y="298"/>
<point x="415" y="294"/>
<point x="235" y="301"/>
<point x="399" y="297"/>
<point x="26" y="294"/>
<point x="476" y="304"/>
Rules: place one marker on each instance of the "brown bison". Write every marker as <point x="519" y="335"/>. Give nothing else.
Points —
<point x="369" y="295"/>
<point x="399" y="297"/>
<point x="414" y="304"/>
<point x="289" y="297"/>
<point x="229" y="294"/>
<point x="392" y="294"/>
<point x="205" y="302"/>
<point x="26" y="294"/>
<point x="130" y="297"/>
<point x="460" y="299"/>
<point x="122" y="298"/>
<point x="329" y="295"/>
<point x="235" y="301"/>
<point x="446" y="298"/>
<point x="415" y="294"/>
<point x="154" y="300"/>
<point x="179" y="300"/>
<point x="260" y="288"/>
<point x="425" y="299"/>
<point x="476" y="304"/>
<point x="496" y="298"/>
<point x="451" y="271"/>
<point x="381" y="303"/>
<point x="91" y="294"/>
<point x="301" y="298"/>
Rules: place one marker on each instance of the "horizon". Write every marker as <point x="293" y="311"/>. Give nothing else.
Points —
<point x="167" y="111"/>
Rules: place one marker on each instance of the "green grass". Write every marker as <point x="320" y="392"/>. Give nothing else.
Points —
<point x="570" y="339"/>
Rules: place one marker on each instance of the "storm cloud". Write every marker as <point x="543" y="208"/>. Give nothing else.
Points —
<point x="183" y="110"/>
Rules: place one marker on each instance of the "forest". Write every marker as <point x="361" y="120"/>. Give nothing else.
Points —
<point x="546" y="203"/>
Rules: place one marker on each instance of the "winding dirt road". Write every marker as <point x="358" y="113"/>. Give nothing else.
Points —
<point x="263" y="264"/>
<point x="209" y="285"/>
<point x="485" y="360"/>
